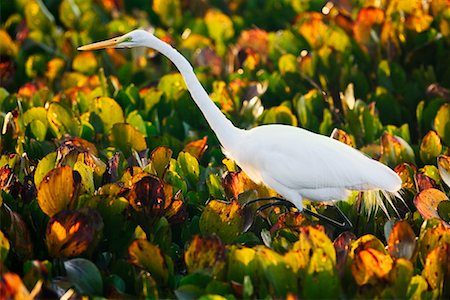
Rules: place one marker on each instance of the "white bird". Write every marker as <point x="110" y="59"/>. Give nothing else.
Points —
<point x="294" y="162"/>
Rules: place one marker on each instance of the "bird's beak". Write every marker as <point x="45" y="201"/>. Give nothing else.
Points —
<point x="101" y="45"/>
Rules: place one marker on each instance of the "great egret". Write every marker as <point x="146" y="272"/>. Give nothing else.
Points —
<point x="292" y="161"/>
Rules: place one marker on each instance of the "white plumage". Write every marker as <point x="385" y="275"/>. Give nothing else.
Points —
<point x="292" y="161"/>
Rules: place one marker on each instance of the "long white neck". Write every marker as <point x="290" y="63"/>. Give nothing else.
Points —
<point x="225" y="131"/>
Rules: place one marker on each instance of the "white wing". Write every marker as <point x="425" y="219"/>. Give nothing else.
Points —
<point x="304" y="161"/>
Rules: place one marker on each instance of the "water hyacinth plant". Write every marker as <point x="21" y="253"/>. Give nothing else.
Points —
<point x="113" y="185"/>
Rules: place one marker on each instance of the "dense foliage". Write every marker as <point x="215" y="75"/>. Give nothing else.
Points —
<point x="113" y="184"/>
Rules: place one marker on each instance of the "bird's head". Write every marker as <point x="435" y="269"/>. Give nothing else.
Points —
<point x="135" y="38"/>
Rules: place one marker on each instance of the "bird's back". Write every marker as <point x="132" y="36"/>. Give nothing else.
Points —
<point x="311" y="164"/>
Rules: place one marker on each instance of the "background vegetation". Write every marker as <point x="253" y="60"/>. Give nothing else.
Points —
<point x="113" y="185"/>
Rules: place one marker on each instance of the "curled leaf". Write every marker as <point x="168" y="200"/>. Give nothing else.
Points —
<point x="197" y="148"/>
<point x="443" y="162"/>
<point x="427" y="202"/>
<point x="402" y="241"/>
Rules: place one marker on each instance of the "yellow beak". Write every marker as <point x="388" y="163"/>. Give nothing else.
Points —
<point x="100" y="45"/>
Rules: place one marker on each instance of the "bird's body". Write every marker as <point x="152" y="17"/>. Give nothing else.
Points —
<point x="298" y="163"/>
<point x="292" y="161"/>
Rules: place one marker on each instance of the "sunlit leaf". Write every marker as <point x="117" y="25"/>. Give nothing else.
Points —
<point x="441" y="123"/>
<point x="370" y="266"/>
<point x="205" y="255"/>
<point x="430" y="148"/>
<point x="168" y="11"/>
<point x="365" y="242"/>
<point x="71" y="233"/>
<point x="288" y="64"/>
<point x="366" y="19"/>
<point x="395" y="150"/>
<point x="432" y="238"/>
<point x="58" y="190"/>
<point x="197" y="148"/>
<point x="149" y="257"/>
<point x="62" y="121"/>
<point x="7" y="47"/>
<point x="126" y="137"/>
<point x="400" y="277"/>
<point x="220" y="28"/>
<point x="311" y="239"/>
<point x="427" y="202"/>
<point x="4" y="247"/>
<point x="12" y="286"/>
<point x="424" y="182"/>
<point x="417" y="286"/>
<point x="443" y="162"/>
<point x="108" y="111"/>
<point x="342" y="136"/>
<point x="85" y="62"/>
<point x="437" y="268"/>
<point x="280" y="115"/>
<point x="223" y="219"/>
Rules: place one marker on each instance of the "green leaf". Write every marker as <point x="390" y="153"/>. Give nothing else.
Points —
<point x="430" y="148"/>
<point x="221" y="218"/>
<point x="108" y="111"/>
<point x="280" y="115"/>
<point x="220" y="28"/>
<point x="85" y="276"/>
<point x="62" y="121"/>
<point x="442" y="123"/>
<point x="443" y="210"/>
<point x="288" y="64"/>
<point x="44" y="166"/>
<point x="149" y="257"/>
<point x="87" y="176"/>
<point x="160" y="160"/>
<point x="4" y="247"/>
<point x="190" y="168"/>
<point x="125" y="137"/>
<point x="169" y="12"/>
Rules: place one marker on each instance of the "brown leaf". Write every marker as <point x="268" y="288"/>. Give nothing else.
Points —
<point x="197" y="148"/>
<point x="402" y="241"/>
<point x="71" y="233"/>
<point x="424" y="182"/>
<point x="342" y="245"/>
<point x="147" y="198"/>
